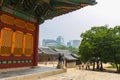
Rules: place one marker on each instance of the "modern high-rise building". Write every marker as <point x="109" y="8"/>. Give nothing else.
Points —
<point x="73" y="43"/>
<point x="68" y="44"/>
<point x="49" y="42"/>
<point x="60" y="40"/>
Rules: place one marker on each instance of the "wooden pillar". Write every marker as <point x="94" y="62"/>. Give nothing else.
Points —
<point x="35" y="56"/>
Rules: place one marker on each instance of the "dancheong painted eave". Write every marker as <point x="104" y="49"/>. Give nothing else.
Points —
<point x="41" y="10"/>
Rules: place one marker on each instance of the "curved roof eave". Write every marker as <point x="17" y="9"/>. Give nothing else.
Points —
<point x="41" y="10"/>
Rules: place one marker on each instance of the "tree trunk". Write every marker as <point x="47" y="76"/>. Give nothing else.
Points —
<point x="97" y="65"/>
<point x="93" y="65"/>
<point x="101" y="65"/>
<point x="101" y="62"/>
<point x="117" y="67"/>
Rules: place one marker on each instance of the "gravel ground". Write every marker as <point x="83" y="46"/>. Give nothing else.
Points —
<point x="75" y="74"/>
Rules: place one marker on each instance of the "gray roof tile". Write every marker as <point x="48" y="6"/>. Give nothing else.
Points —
<point x="67" y="54"/>
<point x="46" y="50"/>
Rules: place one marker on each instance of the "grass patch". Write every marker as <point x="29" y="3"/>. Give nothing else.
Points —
<point x="111" y="66"/>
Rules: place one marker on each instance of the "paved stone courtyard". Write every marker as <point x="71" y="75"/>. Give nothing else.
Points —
<point x="71" y="74"/>
<point x="75" y="74"/>
<point x="25" y="72"/>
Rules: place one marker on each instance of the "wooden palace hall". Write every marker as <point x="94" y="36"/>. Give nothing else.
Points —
<point x="19" y="27"/>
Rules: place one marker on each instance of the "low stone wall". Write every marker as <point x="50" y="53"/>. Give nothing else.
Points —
<point x="71" y="64"/>
<point x="14" y="69"/>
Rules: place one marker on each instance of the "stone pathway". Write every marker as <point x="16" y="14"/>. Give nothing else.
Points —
<point x="75" y="74"/>
<point x="25" y="72"/>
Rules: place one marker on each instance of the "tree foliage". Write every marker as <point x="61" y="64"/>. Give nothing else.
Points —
<point x="71" y="49"/>
<point x="101" y="44"/>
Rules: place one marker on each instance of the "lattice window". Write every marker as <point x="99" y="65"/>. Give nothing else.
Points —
<point x="6" y="41"/>
<point x="18" y="43"/>
<point x="28" y="44"/>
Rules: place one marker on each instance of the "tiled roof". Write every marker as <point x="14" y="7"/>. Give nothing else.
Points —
<point x="69" y="57"/>
<point x="46" y="50"/>
<point x="41" y="10"/>
<point x="67" y="54"/>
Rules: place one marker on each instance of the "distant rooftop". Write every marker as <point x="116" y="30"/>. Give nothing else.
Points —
<point x="67" y="54"/>
<point x="47" y="50"/>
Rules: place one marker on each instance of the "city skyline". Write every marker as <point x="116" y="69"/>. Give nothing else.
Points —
<point x="71" y="25"/>
<point x="53" y="42"/>
<point x="57" y="40"/>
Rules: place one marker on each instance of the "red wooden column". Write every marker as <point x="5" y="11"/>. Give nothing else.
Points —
<point x="35" y="56"/>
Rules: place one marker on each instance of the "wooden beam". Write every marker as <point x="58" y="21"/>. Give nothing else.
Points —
<point x="47" y="1"/>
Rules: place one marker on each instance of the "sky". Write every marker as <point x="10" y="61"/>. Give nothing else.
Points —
<point x="71" y="25"/>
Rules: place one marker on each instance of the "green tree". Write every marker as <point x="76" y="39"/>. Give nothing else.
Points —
<point x="94" y="38"/>
<point x="114" y="48"/>
<point x="71" y="49"/>
<point x="101" y="44"/>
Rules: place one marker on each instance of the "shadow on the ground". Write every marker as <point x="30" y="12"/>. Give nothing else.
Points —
<point x="106" y="70"/>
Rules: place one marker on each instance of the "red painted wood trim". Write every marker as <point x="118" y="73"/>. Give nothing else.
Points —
<point x="36" y="45"/>
<point x="2" y="12"/>
<point x="34" y="57"/>
<point x="15" y="65"/>
<point x="16" y="28"/>
<point x="15" y="58"/>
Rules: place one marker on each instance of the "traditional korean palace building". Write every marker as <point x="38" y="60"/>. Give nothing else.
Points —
<point x="46" y="54"/>
<point x="69" y="59"/>
<point x="19" y="27"/>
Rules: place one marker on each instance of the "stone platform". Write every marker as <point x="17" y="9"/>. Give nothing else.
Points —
<point x="32" y="73"/>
